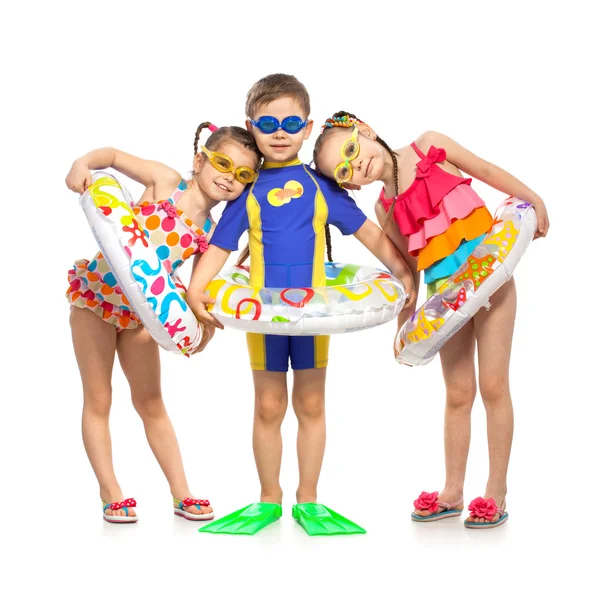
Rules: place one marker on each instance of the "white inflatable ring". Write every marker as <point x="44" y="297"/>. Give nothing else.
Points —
<point x="355" y="298"/>
<point x="156" y="297"/>
<point x="490" y="265"/>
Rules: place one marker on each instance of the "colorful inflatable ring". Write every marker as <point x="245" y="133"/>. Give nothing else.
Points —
<point x="355" y="298"/>
<point x="489" y="266"/>
<point x="157" y="297"/>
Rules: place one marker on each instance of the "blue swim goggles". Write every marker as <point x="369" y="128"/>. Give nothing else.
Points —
<point x="271" y="124"/>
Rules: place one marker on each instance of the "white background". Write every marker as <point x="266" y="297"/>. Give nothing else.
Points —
<point x="512" y="81"/>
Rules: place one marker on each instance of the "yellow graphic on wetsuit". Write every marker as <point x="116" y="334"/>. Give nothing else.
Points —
<point x="279" y="196"/>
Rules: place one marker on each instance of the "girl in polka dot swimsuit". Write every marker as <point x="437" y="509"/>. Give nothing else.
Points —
<point x="102" y="323"/>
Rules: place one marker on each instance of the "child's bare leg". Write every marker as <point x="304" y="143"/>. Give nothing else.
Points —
<point x="94" y="342"/>
<point x="140" y="361"/>
<point x="270" y="405"/>
<point x="494" y="331"/>
<point x="308" y="400"/>
<point x="458" y="367"/>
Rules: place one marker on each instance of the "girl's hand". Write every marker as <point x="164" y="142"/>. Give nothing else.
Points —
<point x="408" y="284"/>
<point x="409" y="289"/>
<point x="543" y="223"/>
<point x="79" y="177"/>
<point x="207" y="335"/>
<point x="395" y="337"/>
<point x="198" y="306"/>
<point x="396" y="353"/>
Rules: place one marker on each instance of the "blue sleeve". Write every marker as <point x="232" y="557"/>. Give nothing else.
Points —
<point x="343" y="212"/>
<point x="232" y="224"/>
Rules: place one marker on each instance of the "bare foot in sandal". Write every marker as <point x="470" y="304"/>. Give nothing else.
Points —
<point x="193" y="509"/>
<point x="434" y="506"/>
<point x="486" y="512"/>
<point x="120" y="511"/>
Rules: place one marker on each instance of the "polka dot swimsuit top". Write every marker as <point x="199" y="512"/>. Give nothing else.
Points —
<point x="171" y="231"/>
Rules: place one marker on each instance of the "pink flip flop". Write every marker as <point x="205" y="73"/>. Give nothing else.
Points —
<point x="486" y="508"/>
<point x="430" y="502"/>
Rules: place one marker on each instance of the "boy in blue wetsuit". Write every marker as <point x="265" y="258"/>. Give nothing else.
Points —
<point x="286" y="212"/>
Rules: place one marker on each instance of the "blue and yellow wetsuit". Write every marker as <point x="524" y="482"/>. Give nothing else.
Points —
<point x="285" y="212"/>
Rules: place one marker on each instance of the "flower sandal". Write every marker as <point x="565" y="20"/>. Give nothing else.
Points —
<point x="486" y="508"/>
<point x="430" y="502"/>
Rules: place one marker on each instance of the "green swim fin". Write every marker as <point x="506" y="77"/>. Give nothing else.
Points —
<point x="247" y="520"/>
<point x="317" y="519"/>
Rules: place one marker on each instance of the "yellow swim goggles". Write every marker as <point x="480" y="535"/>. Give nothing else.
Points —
<point x="222" y="163"/>
<point x="350" y="150"/>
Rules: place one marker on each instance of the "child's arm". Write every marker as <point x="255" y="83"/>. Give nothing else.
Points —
<point x="380" y="246"/>
<point x="212" y="261"/>
<point x="225" y="238"/>
<point x="146" y="172"/>
<point x="349" y="219"/>
<point x="209" y="330"/>
<point x="401" y="243"/>
<point x="489" y="173"/>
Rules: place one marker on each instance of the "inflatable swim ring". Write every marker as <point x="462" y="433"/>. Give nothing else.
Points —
<point x="355" y="298"/>
<point x="154" y="294"/>
<point x="490" y="265"/>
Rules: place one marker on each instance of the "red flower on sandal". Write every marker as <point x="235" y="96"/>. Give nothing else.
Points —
<point x="483" y="508"/>
<point x="427" y="501"/>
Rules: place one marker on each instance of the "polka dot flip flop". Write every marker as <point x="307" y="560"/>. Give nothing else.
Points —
<point x="125" y="506"/>
<point x="180" y="506"/>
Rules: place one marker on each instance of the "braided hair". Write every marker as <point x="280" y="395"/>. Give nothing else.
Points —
<point x="223" y="134"/>
<point x="343" y="118"/>
<point x="216" y="138"/>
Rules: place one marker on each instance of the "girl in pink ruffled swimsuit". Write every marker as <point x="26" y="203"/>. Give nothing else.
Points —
<point x="175" y="215"/>
<point x="435" y="219"/>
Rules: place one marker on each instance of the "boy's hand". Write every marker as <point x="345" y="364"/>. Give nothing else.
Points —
<point x="79" y="178"/>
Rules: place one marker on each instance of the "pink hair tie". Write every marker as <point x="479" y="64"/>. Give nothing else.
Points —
<point x="212" y="128"/>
